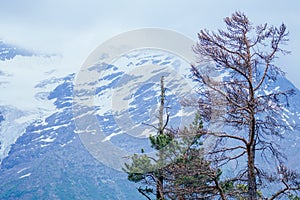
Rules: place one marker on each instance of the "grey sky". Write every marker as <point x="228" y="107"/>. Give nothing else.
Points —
<point x="74" y="28"/>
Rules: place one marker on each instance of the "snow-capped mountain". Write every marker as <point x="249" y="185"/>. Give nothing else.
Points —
<point x="49" y="161"/>
<point x="43" y="151"/>
<point x="42" y="154"/>
<point x="8" y="52"/>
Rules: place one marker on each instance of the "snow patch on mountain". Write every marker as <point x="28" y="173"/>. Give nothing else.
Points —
<point x="26" y="175"/>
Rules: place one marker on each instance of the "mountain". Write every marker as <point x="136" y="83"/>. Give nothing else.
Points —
<point x="45" y="154"/>
<point x="8" y="51"/>
<point x="46" y="159"/>
<point x="49" y="162"/>
<point x="43" y="157"/>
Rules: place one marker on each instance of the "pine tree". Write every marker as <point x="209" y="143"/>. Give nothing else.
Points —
<point x="142" y="169"/>
<point x="246" y="55"/>
<point x="179" y="170"/>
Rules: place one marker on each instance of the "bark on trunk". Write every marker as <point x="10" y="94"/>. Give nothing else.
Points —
<point x="159" y="188"/>
<point x="251" y="162"/>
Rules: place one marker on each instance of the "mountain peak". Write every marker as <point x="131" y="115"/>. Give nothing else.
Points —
<point x="8" y="51"/>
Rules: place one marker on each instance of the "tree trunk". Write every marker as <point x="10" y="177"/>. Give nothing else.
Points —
<point x="160" y="178"/>
<point x="252" y="193"/>
<point x="159" y="188"/>
<point x="251" y="174"/>
<point x="162" y="106"/>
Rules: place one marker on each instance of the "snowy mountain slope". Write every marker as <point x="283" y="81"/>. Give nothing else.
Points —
<point x="125" y="102"/>
<point x="22" y="101"/>
<point x="11" y="117"/>
<point x="49" y="162"/>
<point x="289" y="112"/>
<point x="132" y="85"/>
<point x="48" y="159"/>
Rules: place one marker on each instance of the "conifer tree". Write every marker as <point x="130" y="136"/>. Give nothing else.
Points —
<point x="245" y="55"/>
<point x="179" y="170"/>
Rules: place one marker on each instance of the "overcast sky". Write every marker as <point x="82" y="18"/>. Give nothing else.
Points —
<point x="74" y="28"/>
